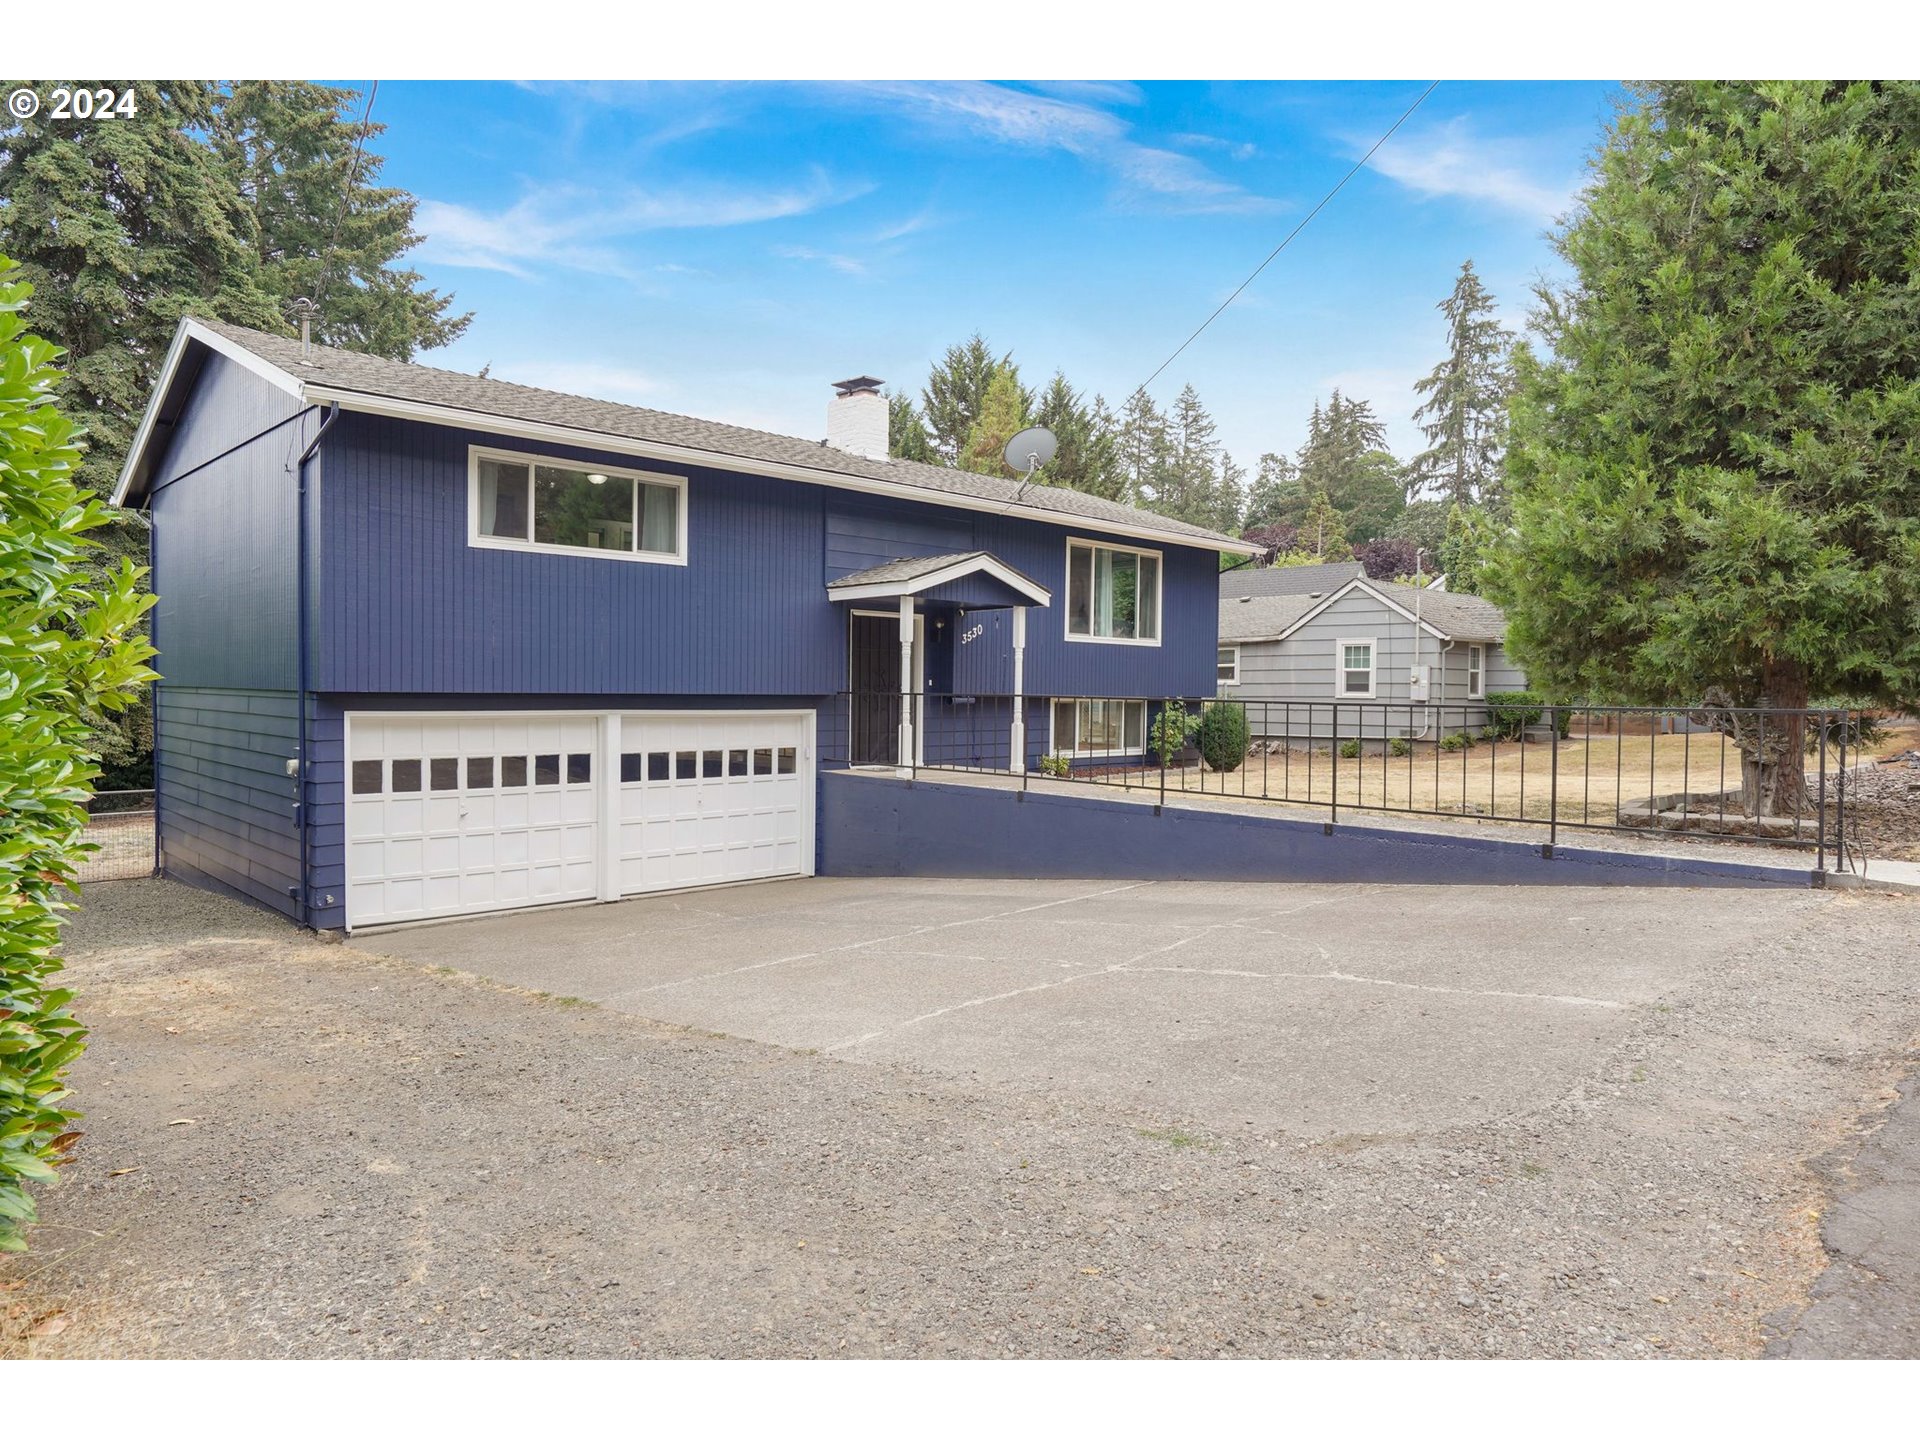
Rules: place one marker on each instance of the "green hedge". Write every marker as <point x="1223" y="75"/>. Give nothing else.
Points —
<point x="1224" y="736"/>
<point x="1510" y="713"/>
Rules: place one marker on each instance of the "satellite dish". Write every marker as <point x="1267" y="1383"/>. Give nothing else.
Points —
<point x="1030" y="449"/>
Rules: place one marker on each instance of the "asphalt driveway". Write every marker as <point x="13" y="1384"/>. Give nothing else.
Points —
<point x="887" y="1118"/>
<point x="1376" y="1010"/>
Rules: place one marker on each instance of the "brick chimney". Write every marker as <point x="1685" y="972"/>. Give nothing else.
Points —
<point x="857" y="417"/>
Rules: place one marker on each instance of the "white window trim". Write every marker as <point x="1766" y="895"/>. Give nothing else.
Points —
<point x="1159" y="596"/>
<point x="1236" y="664"/>
<point x="1340" y="691"/>
<point x="1119" y="754"/>
<point x="1476" y="674"/>
<point x="477" y="453"/>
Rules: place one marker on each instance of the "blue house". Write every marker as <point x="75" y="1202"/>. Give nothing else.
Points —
<point x="434" y="644"/>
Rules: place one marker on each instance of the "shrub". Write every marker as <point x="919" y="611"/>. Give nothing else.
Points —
<point x="69" y="655"/>
<point x="1399" y="747"/>
<point x="1172" y="728"/>
<point x="1456" y="742"/>
<point x="1224" y="737"/>
<point x="1349" y="749"/>
<point x="1510" y="712"/>
<point x="1055" y="765"/>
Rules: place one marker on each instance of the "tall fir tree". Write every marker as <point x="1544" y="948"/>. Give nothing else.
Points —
<point x="1086" y="458"/>
<point x="1275" y="488"/>
<point x="1003" y="414"/>
<point x="906" y="431"/>
<point x="1193" y="452"/>
<point x="323" y="229"/>
<point x="1465" y="414"/>
<point x="956" y="389"/>
<point x="1322" y="538"/>
<point x="1229" y="497"/>
<point x="1715" y="475"/>
<point x="1145" y="454"/>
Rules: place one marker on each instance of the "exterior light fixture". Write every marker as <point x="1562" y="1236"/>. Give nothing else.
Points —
<point x="596" y="478"/>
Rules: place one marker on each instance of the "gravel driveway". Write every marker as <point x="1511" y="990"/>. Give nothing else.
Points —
<point x="389" y="1156"/>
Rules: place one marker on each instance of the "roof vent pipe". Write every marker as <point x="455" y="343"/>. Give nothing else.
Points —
<point x="306" y="309"/>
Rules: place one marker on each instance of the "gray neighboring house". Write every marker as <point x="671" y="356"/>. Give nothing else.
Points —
<point x="1288" y="656"/>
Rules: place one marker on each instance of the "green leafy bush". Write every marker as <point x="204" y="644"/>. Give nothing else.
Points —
<point x="1172" y="728"/>
<point x="1399" y="747"/>
<point x="1456" y="742"/>
<point x="1510" y="712"/>
<point x="69" y="654"/>
<point x="1224" y="736"/>
<point x="1055" y="765"/>
<point x="1349" y="749"/>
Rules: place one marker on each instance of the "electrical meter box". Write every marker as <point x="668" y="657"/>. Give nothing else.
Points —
<point x="1417" y="681"/>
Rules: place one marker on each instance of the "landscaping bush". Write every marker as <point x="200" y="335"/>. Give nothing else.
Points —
<point x="1055" y="765"/>
<point x="1349" y="749"/>
<point x="1510" y="712"/>
<point x="1172" y="728"/>
<point x="1456" y="742"/>
<point x="1399" y="747"/>
<point x="1224" y="736"/>
<point x="68" y="656"/>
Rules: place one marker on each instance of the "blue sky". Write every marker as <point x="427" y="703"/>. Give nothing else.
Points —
<point x="728" y="250"/>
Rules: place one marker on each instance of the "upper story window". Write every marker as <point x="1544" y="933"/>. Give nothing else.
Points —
<point x="524" y="502"/>
<point x="1113" y="593"/>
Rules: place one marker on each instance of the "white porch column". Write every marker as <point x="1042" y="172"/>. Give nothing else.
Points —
<point x="907" y="698"/>
<point x="1019" y="689"/>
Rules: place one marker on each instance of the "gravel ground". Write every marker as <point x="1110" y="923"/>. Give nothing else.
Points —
<point x="390" y="1159"/>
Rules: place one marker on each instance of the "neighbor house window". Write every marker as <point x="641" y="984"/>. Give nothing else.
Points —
<point x="1112" y="593"/>
<point x="1100" y="727"/>
<point x="1476" y="671"/>
<point x="523" y="502"/>
<point x="1355" y="680"/>
<point x="1227" y="664"/>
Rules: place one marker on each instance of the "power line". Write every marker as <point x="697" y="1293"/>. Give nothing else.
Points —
<point x="1358" y="165"/>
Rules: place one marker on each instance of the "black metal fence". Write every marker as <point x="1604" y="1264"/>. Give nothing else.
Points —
<point x="1762" y="776"/>
<point x="121" y="828"/>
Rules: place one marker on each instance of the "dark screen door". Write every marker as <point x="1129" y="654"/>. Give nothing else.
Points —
<point x="873" y="675"/>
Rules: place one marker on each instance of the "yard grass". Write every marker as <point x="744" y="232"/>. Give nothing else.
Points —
<point x="1504" y="780"/>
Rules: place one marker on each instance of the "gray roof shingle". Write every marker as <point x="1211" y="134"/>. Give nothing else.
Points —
<point x="370" y="375"/>
<point x="1261" y="617"/>
<point x="1288" y="579"/>
<point x="1459" y="617"/>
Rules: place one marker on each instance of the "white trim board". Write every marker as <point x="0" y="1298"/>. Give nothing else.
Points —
<point x="958" y="570"/>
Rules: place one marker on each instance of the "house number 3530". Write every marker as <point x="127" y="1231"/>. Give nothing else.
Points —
<point x="972" y="633"/>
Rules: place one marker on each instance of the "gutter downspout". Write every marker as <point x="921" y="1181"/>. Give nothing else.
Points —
<point x="305" y="663"/>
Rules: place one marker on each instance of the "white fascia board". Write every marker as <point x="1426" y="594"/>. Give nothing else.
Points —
<point x="186" y="331"/>
<point x="720" y="460"/>
<point x="959" y="570"/>
<point x="1359" y="583"/>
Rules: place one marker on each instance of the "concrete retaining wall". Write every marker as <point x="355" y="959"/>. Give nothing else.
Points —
<point x="878" y="825"/>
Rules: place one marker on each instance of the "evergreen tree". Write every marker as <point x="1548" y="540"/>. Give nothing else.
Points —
<point x="1275" y="496"/>
<point x="1424" y="522"/>
<point x="322" y="228"/>
<point x="956" y="389"/>
<point x="1229" y="494"/>
<point x="1465" y="414"/>
<point x="1370" y="495"/>
<point x="1715" y="476"/>
<point x="1003" y="414"/>
<point x="1187" y="490"/>
<point x="122" y="227"/>
<point x="1144" y="450"/>
<point x="906" y="431"/>
<point x="1322" y="539"/>
<point x="1086" y="458"/>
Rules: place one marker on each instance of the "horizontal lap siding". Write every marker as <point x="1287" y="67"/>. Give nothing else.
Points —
<point x="225" y="802"/>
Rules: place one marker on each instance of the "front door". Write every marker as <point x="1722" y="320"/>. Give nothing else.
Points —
<point x="873" y="677"/>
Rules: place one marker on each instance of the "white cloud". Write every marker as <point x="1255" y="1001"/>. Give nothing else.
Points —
<point x="1452" y="160"/>
<point x="845" y="264"/>
<point x="579" y="228"/>
<point x="1147" y="176"/>
<point x="1237" y="149"/>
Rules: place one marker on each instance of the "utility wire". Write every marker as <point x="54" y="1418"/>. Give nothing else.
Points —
<point x="1358" y="165"/>
<point x="353" y="175"/>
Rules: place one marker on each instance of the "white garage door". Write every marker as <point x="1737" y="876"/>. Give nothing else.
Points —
<point x="462" y="814"/>
<point x="451" y="815"/>
<point x="707" y="799"/>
